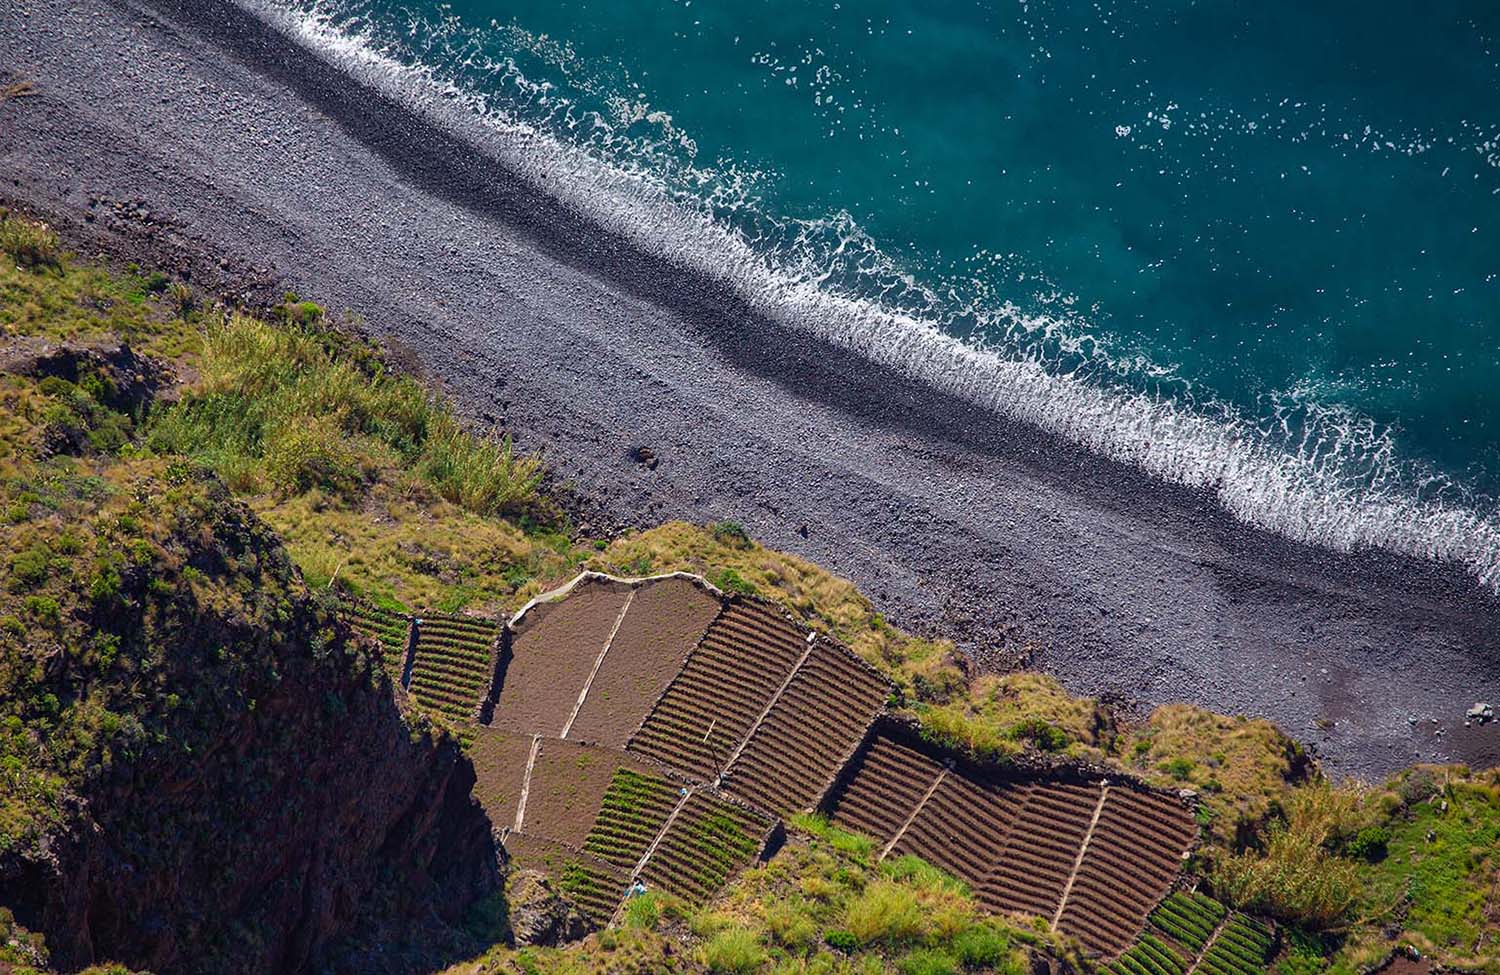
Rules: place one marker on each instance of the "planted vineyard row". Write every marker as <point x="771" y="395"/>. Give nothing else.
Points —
<point x="1188" y="919"/>
<point x="1242" y="948"/>
<point x="631" y="814"/>
<point x="706" y="844"/>
<point x="1149" y="956"/>
<point x="820" y="718"/>
<point x="453" y="663"/>
<point x="1194" y="928"/>
<point x="724" y="686"/>
<point x="388" y="627"/>
<point x="1132" y="857"/>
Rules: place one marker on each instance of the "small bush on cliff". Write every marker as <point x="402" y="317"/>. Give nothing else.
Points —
<point x="1297" y="877"/>
<point x="29" y="243"/>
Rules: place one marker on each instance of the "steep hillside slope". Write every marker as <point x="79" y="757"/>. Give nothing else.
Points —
<point x="202" y="770"/>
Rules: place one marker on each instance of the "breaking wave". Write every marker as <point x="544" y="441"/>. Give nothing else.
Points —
<point x="1313" y="473"/>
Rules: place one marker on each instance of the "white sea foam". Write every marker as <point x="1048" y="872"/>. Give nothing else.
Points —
<point x="1314" y="474"/>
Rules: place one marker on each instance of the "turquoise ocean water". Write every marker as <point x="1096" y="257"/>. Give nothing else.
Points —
<point x="1254" y="247"/>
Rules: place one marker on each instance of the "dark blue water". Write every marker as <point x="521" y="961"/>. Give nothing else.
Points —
<point x="1282" y="219"/>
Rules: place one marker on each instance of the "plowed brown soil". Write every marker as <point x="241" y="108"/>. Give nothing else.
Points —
<point x="666" y="619"/>
<point x="1134" y="854"/>
<point x="499" y="759"/>
<point x="886" y="785"/>
<point x="1040" y="850"/>
<point x="809" y="733"/>
<point x="568" y="783"/>
<point x="553" y="650"/>
<point x="725" y="685"/>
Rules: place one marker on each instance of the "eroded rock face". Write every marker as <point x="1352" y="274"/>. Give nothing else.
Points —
<point x="254" y="797"/>
<point x="538" y="914"/>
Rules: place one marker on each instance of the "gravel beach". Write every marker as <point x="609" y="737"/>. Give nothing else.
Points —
<point x="192" y="135"/>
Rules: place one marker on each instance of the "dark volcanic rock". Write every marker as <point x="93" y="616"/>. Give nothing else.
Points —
<point x="247" y="794"/>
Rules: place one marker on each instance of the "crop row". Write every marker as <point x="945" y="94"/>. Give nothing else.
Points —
<point x="819" y="719"/>
<point x="962" y="828"/>
<point x="1189" y="919"/>
<point x="630" y="814"/>
<point x="1040" y="850"/>
<point x="1241" y="948"/>
<point x="889" y="781"/>
<point x="1149" y="956"/>
<point x="721" y="689"/>
<point x="708" y="841"/>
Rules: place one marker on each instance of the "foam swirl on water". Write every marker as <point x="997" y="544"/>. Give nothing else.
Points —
<point x="1310" y="473"/>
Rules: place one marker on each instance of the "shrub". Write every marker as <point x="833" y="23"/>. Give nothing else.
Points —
<point x="1296" y="878"/>
<point x="928" y="962"/>
<point x="731" y="533"/>
<point x="731" y="581"/>
<point x="312" y="455"/>
<point x="1044" y="734"/>
<point x="643" y="911"/>
<point x="484" y="476"/>
<point x="885" y="912"/>
<point x="29" y="243"/>
<point x="734" y="951"/>
<point x="29" y="568"/>
<point x="1369" y="843"/>
<point x="981" y="947"/>
<point x="841" y="940"/>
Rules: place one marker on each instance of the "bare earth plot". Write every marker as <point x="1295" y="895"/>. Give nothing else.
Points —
<point x="666" y="619"/>
<point x="568" y="783"/>
<point x="499" y="759"/>
<point x="553" y="648"/>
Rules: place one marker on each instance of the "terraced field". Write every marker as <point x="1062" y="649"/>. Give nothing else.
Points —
<point x="1133" y="855"/>
<point x="499" y="759"/>
<point x="1190" y="934"/>
<point x="592" y="885"/>
<point x="962" y="827"/>
<point x="810" y="731"/>
<point x="707" y="843"/>
<point x="1190" y="920"/>
<point x="390" y="628"/>
<point x="724" y="687"/>
<point x="1242" y="947"/>
<point x="631" y="814"/>
<point x="569" y="782"/>
<point x="735" y="687"/>
<point x="453" y="663"/>
<point x="887" y="781"/>
<point x="554" y="646"/>
<point x="1040" y="850"/>
<point x="666" y="619"/>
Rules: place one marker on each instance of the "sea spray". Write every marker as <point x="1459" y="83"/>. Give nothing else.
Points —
<point x="1316" y="474"/>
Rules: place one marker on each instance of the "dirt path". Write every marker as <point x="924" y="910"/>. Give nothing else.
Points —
<point x="228" y="143"/>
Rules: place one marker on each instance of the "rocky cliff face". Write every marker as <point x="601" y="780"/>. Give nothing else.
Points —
<point x="220" y="777"/>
